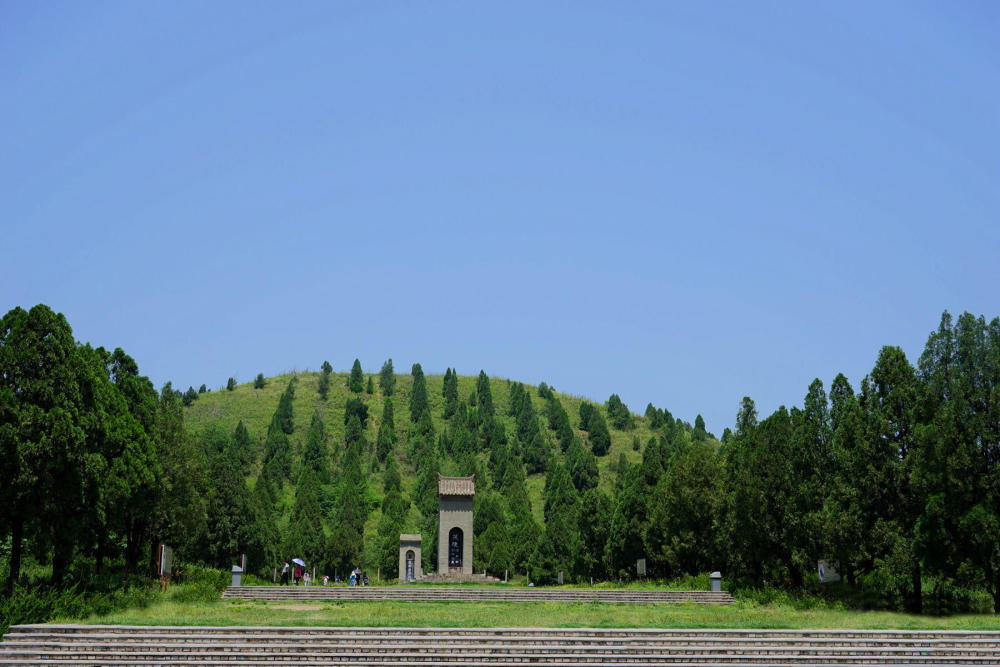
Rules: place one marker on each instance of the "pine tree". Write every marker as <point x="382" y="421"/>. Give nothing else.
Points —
<point x="600" y="438"/>
<point x="305" y="536"/>
<point x="284" y="412"/>
<point x="386" y="439"/>
<point x="515" y="399"/>
<point x="676" y="537"/>
<point x="654" y="417"/>
<point x="324" y="380"/>
<point x="277" y="462"/>
<point x="190" y="396"/>
<point x="559" y="422"/>
<point x="450" y="393"/>
<point x="259" y="381"/>
<point x="418" y="397"/>
<point x="582" y="465"/>
<point x="624" y="545"/>
<point x="619" y="413"/>
<point x="202" y="389"/>
<point x="370" y="387"/>
<point x="242" y="448"/>
<point x="483" y="395"/>
<point x="231" y="384"/>
<point x="356" y="383"/>
<point x="387" y="378"/>
<point x="559" y="549"/>
<point x="314" y="454"/>
<point x="355" y="407"/>
<point x="699" y="434"/>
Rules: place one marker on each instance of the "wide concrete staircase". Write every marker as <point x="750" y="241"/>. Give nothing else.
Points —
<point x="457" y="594"/>
<point x="463" y="647"/>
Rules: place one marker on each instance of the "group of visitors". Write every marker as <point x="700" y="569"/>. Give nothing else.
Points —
<point x="301" y="576"/>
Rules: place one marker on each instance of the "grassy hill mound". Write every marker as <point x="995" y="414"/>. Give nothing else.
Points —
<point x="254" y="406"/>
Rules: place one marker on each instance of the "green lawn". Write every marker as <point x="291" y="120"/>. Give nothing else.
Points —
<point x="548" y="614"/>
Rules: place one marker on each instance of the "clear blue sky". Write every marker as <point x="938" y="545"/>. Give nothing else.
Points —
<point x="683" y="203"/>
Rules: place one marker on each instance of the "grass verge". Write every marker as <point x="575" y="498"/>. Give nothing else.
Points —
<point x="742" y="614"/>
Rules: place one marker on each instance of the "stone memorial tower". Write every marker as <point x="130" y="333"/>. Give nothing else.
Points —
<point x="409" y="558"/>
<point x="455" y="524"/>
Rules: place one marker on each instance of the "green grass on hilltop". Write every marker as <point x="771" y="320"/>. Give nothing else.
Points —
<point x="255" y="408"/>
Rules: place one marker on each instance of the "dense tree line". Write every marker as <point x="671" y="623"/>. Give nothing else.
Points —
<point x="897" y="479"/>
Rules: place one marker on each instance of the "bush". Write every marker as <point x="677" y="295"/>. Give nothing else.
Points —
<point x="45" y="603"/>
<point x="199" y="584"/>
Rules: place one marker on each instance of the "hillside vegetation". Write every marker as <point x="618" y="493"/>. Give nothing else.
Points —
<point x="217" y="414"/>
<point x="896" y="483"/>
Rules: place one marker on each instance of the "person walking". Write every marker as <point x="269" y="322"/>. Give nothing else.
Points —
<point x="305" y="578"/>
<point x="298" y="574"/>
<point x="284" y="575"/>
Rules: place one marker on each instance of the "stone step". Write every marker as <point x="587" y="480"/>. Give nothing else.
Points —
<point x="703" y="647"/>
<point x="392" y="641"/>
<point x="569" y="634"/>
<point x="190" y="659"/>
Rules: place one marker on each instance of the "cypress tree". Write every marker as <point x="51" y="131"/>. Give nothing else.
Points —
<point x="386" y="438"/>
<point x="242" y="448"/>
<point x="484" y="396"/>
<point x="538" y="453"/>
<point x="284" y="412"/>
<point x="595" y="518"/>
<point x="305" y="535"/>
<point x="527" y="420"/>
<point x="355" y="407"/>
<point x="277" y="462"/>
<point x="314" y="454"/>
<point x="356" y="382"/>
<point x="582" y="465"/>
<point x="324" y="380"/>
<point x="514" y="399"/>
<point x="600" y="438"/>
<point x="654" y="418"/>
<point x="619" y="413"/>
<point x="699" y="434"/>
<point x="387" y="378"/>
<point x="450" y="393"/>
<point x="418" y="397"/>
<point x="370" y="387"/>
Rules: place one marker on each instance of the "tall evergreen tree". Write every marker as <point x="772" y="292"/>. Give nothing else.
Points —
<point x="618" y="413"/>
<point x="386" y="439"/>
<point x="315" y="454"/>
<point x="387" y="378"/>
<point x="324" y="380"/>
<point x="305" y="536"/>
<point x="418" y="396"/>
<point x="484" y="396"/>
<point x="242" y="447"/>
<point x="450" y="393"/>
<point x="356" y="382"/>
<point x="559" y="548"/>
<point x="284" y="413"/>
<point x="600" y="437"/>
<point x="259" y="382"/>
